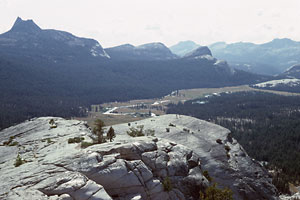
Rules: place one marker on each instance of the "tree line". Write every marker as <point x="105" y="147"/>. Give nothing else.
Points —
<point x="266" y="125"/>
<point x="33" y="87"/>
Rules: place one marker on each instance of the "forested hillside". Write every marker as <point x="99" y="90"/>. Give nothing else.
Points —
<point x="51" y="72"/>
<point x="36" y="88"/>
<point x="266" y="125"/>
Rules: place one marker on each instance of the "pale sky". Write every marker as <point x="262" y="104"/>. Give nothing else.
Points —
<point x="115" y="22"/>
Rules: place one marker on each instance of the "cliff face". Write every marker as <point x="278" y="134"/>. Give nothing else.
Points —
<point x="128" y="168"/>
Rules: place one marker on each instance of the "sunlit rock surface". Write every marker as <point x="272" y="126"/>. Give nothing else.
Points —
<point x="127" y="168"/>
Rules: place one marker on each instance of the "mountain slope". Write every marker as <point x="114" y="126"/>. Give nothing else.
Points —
<point x="25" y="39"/>
<point x="268" y="58"/>
<point x="204" y="53"/>
<point x="151" y="51"/>
<point x="292" y="72"/>
<point x="267" y="125"/>
<point x="184" y="47"/>
<point x="198" y="52"/>
<point x="47" y="72"/>
<point x="288" y="81"/>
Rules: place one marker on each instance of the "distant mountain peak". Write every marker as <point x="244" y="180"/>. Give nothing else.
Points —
<point x="184" y="47"/>
<point x="127" y="45"/>
<point x="21" y="25"/>
<point x="123" y="47"/>
<point x="200" y="51"/>
<point x="188" y="42"/>
<point x="280" y="43"/>
<point x="48" y="44"/>
<point x="153" y="45"/>
<point x="149" y="51"/>
<point x="282" y="39"/>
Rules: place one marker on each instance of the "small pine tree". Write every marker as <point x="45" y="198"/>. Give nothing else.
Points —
<point x="111" y="134"/>
<point x="98" y="131"/>
<point x="214" y="193"/>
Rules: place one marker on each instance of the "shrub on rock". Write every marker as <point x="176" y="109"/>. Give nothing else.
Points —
<point x="86" y="144"/>
<point x="19" y="161"/>
<point x="214" y="193"/>
<point x="139" y="131"/>
<point x="136" y="132"/>
<point x="167" y="184"/>
<point x="75" y="140"/>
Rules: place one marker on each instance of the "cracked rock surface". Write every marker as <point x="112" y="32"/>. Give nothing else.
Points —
<point x="128" y="168"/>
<point x="220" y="154"/>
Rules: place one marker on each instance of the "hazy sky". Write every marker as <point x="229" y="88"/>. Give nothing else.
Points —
<point x="114" y="22"/>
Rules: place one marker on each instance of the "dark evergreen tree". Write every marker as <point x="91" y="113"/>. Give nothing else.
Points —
<point x="111" y="134"/>
<point x="98" y="131"/>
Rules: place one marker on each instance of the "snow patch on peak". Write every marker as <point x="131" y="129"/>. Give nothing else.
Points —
<point x="220" y="62"/>
<point x="207" y="57"/>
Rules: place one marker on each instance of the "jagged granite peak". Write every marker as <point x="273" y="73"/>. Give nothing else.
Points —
<point x="150" y="51"/>
<point x="27" y="39"/>
<point x="21" y="25"/>
<point x="127" y="168"/>
<point x="184" y="47"/>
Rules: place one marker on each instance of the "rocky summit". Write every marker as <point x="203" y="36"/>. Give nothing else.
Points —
<point x="38" y="161"/>
<point x="26" y="39"/>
